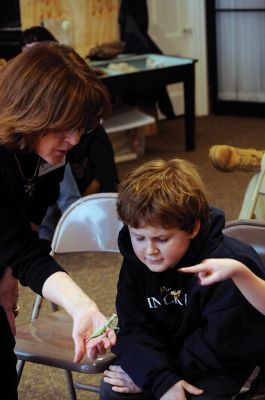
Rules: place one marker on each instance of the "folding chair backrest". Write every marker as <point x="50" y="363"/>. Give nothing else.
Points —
<point x="89" y="224"/>
<point x="250" y="231"/>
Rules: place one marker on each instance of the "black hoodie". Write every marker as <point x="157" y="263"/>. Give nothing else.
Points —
<point x="206" y="330"/>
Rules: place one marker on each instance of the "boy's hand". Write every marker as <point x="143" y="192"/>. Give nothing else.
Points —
<point x="214" y="270"/>
<point x="177" y="392"/>
<point x="120" y="381"/>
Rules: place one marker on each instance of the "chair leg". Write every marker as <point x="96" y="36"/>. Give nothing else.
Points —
<point x="89" y="388"/>
<point x="20" y="367"/>
<point x="70" y="385"/>
<point x="34" y="314"/>
<point x="36" y="307"/>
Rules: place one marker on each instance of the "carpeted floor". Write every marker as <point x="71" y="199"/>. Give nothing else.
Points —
<point x="225" y="190"/>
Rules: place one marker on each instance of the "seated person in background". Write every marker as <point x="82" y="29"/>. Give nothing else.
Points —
<point x="133" y="21"/>
<point x="229" y="158"/>
<point x="35" y="34"/>
<point x="177" y="339"/>
<point x="92" y="168"/>
<point x="93" y="163"/>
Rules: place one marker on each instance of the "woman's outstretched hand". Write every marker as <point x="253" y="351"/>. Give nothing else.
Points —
<point x="85" y="322"/>
<point x="60" y="289"/>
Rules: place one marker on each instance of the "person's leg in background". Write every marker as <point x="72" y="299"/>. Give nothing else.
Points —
<point x="69" y="193"/>
<point x="165" y="104"/>
<point x="230" y="158"/>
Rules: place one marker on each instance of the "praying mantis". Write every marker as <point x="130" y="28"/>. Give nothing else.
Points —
<point x="103" y="329"/>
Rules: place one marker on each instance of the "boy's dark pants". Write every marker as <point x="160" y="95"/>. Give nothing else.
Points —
<point x="8" y="374"/>
<point x="215" y="388"/>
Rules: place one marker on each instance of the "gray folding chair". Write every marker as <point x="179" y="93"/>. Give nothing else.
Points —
<point x="89" y="225"/>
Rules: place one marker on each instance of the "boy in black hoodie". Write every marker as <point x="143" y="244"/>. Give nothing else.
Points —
<point x="179" y="340"/>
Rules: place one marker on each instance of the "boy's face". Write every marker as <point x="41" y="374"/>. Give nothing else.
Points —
<point x="159" y="248"/>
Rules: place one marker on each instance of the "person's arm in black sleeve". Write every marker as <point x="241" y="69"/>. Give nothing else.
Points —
<point x="138" y="348"/>
<point x="230" y="336"/>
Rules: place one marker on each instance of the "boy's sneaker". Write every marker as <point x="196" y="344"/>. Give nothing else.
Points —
<point x="229" y="158"/>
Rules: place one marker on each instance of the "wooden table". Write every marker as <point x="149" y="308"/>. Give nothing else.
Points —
<point x="168" y="70"/>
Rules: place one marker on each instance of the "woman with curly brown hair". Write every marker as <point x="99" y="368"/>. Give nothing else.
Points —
<point x="48" y="99"/>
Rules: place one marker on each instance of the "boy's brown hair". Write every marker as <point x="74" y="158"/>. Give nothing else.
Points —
<point x="49" y="87"/>
<point x="163" y="193"/>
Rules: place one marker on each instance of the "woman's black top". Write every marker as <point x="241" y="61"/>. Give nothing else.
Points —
<point x="20" y="246"/>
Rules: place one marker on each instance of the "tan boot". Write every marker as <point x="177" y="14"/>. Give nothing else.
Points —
<point x="229" y="158"/>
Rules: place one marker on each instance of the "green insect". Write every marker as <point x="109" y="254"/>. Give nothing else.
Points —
<point x="103" y="328"/>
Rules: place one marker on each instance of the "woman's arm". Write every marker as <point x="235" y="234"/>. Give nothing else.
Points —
<point x="60" y="289"/>
<point x="218" y="269"/>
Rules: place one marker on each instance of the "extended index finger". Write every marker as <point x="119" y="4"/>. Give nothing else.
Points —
<point x="194" y="269"/>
